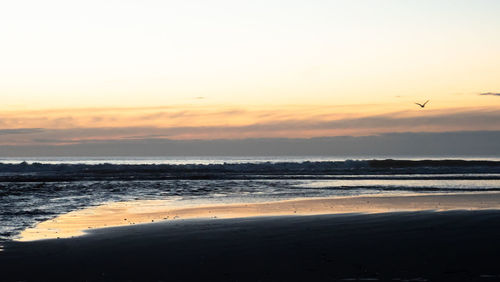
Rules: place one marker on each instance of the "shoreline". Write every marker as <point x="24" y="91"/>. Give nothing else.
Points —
<point x="79" y="222"/>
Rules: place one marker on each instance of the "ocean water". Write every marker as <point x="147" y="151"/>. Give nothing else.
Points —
<point x="218" y="159"/>
<point x="34" y="190"/>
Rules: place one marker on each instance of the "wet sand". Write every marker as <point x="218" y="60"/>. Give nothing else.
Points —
<point x="404" y="246"/>
<point x="136" y="212"/>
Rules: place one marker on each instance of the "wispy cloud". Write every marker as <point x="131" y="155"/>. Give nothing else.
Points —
<point x="289" y="128"/>
<point x="490" y="94"/>
<point x="20" y="131"/>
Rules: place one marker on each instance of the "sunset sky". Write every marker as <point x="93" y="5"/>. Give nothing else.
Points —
<point x="82" y="71"/>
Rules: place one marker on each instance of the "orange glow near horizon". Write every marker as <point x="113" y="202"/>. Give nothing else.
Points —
<point x="70" y="126"/>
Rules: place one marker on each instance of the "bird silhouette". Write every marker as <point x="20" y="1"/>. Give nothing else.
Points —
<point x="422" y="105"/>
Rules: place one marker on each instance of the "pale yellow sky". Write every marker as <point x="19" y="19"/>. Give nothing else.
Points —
<point x="64" y="64"/>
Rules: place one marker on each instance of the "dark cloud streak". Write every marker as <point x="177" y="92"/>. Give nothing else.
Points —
<point x="476" y="143"/>
<point x="489" y="94"/>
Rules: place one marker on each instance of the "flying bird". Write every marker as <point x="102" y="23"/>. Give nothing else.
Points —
<point x="422" y="105"/>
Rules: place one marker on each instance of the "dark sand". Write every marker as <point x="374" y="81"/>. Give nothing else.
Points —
<point x="416" y="246"/>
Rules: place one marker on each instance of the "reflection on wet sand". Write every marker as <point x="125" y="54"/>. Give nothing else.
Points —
<point x="136" y="212"/>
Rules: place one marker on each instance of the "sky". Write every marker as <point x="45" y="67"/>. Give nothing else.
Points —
<point x="82" y="71"/>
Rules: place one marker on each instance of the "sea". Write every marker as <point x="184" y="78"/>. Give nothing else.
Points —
<point x="33" y="190"/>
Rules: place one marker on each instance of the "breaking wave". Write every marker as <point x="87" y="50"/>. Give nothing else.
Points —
<point x="25" y="172"/>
